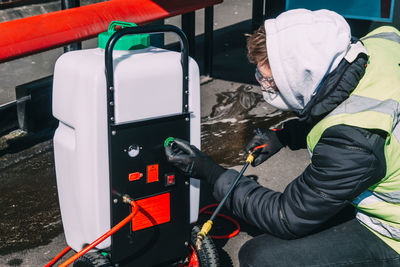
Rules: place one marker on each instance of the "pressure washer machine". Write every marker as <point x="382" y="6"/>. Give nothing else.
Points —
<point x="116" y="106"/>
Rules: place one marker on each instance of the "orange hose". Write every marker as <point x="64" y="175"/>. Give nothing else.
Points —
<point x="58" y="257"/>
<point x="125" y="221"/>
<point x="258" y="147"/>
<point x="100" y="239"/>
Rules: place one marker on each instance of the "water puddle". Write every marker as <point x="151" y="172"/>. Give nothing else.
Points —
<point x="231" y="123"/>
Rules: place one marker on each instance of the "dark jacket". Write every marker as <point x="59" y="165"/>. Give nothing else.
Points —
<point x="345" y="162"/>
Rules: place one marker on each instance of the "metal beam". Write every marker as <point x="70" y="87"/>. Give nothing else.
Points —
<point x="188" y="27"/>
<point x="208" y="40"/>
<point x="257" y="14"/>
<point x="67" y="4"/>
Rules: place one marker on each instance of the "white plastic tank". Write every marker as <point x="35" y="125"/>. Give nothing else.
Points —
<point x="148" y="83"/>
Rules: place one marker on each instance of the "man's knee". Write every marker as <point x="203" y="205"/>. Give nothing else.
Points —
<point x="254" y="252"/>
<point x="246" y="254"/>
<point x="266" y="250"/>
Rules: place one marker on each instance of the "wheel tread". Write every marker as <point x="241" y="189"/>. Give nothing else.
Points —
<point x="208" y="256"/>
<point x="92" y="259"/>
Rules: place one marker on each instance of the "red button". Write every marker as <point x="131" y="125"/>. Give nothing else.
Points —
<point x="169" y="179"/>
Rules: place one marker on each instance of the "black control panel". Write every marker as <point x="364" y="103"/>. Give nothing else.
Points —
<point x="160" y="232"/>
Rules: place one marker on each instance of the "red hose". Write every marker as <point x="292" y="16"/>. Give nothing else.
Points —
<point x="258" y="147"/>
<point x="234" y="233"/>
<point x="125" y="221"/>
<point x="58" y="257"/>
<point x="103" y="237"/>
<point x="98" y="241"/>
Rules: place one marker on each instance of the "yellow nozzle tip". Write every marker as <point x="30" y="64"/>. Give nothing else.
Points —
<point x="250" y="158"/>
<point x="206" y="227"/>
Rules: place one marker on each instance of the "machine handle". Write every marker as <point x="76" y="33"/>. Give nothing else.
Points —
<point x="152" y="29"/>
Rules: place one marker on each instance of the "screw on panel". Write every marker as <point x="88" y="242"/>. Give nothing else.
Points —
<point x="113" y="132"/>
<point x="186" y="183"/>
<point x="186" y="106"/>
<point x="186" y="92"/>
<point x="131" y="238"/>
<point x="186" y="243"/>
<point x="186" y="119"/>
<point x="111" y="103"/>
<point x="112" y="118"/>
<point x="115" y="201"/>
<point x="186" y="77"/>
<point x="111" y="88"/>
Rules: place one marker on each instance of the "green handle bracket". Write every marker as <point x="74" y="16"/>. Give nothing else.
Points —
<point x="127" y="42"/>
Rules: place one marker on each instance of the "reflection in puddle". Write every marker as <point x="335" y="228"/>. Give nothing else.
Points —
<point x="231" y="123"/>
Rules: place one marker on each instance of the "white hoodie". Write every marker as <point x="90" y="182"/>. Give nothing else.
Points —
<point x="303" y="47"/>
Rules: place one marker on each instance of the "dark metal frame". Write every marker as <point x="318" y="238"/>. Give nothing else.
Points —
<point x="67" y="4"/>
<point x="188" y="27"/>
<point x="8" y="118"/>
<point x="136" y="248"/>
<point x="208" y="40"/>
<point x="264" y="9"/>
<point x="257" y="14"/>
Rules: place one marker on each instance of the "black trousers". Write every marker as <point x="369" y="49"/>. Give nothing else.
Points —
<point x="346" y="244"/>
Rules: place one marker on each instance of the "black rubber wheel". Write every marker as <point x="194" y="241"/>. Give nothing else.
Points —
<point x="208" y="256"/>
<point x="93" y="259"/>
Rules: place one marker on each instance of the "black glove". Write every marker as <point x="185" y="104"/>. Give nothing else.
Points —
<point x="192" y="162"/>
<point x="261" y="137"/>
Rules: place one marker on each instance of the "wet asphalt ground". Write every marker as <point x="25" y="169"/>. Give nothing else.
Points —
<point x="31" y="231"/>
<point x="29" y="206"/>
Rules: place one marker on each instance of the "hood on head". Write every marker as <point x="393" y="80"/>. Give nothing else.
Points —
<point x="303" y="47"/>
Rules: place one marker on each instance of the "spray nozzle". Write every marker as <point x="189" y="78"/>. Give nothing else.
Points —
<point x="251" y="156"/>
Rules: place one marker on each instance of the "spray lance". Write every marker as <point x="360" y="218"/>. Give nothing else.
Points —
<point x="208" y="225"/>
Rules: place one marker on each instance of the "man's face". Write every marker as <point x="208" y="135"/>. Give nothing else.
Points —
<point x="264" y="77"/>
<point x="268" y="87"/>
<point x="264" y="69"/>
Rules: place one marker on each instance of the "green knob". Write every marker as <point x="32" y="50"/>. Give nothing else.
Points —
<point x="168" y="140"/>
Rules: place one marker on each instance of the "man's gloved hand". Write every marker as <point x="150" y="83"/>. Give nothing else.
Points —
<point x="261" y="137"/>
<point x="193" y="162"/>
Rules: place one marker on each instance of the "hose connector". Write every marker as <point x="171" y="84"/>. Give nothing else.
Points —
<point x="250" y="157"/>
<point x="127" y="199"/>
<point x="203" y="233"/>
